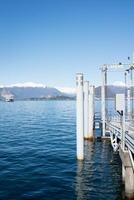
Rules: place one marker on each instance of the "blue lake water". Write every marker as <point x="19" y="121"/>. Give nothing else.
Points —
<point x="38" y="156"/>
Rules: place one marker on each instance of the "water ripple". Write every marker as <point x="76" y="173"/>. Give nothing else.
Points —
<point x="37" y="156"/>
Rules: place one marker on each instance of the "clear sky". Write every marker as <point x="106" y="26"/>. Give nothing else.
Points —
<point x="49" y="41"/>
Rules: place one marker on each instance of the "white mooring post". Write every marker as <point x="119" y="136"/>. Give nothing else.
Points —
<point x="80" y="117"/>
<point x="91" y="113"/>
<point x="86" y="109"/>
<point x="103" y="101"/>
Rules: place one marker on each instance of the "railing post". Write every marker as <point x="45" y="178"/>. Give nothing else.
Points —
<point x="86" y="109"/>
<point x="80" y="117"/>
<point x="123" y="131"/>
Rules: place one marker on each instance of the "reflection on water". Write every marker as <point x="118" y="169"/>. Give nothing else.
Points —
<point x="80" y="181"/>
<point x="99" y="176"/>
<point x="83" y="172"/>
<point x="38" y="156"/>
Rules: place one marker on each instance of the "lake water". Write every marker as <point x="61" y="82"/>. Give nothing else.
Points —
<point x="38" y="156"/>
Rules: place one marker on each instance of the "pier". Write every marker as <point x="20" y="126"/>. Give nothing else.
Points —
<point x="117" y="127"/>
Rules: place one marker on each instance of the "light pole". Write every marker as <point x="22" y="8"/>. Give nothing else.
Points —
<point x="131" y="78"/>
<point x="128" y="110"/>
<point x="103" y="99"/>
<point x="130" y="89"/>
<point x="125" y="74"/>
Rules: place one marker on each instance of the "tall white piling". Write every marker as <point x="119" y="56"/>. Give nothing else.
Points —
<point x="86" y="109"/>
<point x="103" y="101"/>
<point x="91" y="113"/>
<point x="80" y="117"/>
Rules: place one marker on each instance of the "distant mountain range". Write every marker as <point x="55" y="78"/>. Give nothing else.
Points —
<point x="33" y="92"/>
<point x="111" y="91"/>
<point x="40" y="92"/>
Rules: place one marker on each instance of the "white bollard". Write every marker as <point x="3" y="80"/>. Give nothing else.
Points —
<point x="80" y="117"/>
<point x="86" y="109"/>
<point x="91" y="113"/>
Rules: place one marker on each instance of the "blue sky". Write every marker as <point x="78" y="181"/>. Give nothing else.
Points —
<point x="49" y="41"/>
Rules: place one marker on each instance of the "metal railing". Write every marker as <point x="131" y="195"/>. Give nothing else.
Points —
<point x="115" y="127"/>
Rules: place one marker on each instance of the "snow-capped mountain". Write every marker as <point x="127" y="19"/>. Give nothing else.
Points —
<point x="67" y="90"/>
<point x="31" y="90"/>
<point x="119" y="83"/>
<point x="25" y="84"/>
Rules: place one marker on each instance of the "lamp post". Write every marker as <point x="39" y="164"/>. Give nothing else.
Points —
<point x="131" y="78"/>
<point x="128" y="110"/>
<point x="125" y="74"/>
<point x="103" y="100"/>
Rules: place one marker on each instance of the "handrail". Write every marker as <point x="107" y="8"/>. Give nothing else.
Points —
<point x="129" y="139"/>
<point x="118" y="131"/>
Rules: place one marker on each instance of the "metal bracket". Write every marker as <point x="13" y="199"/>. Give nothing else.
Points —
<point x="114" y="142"/>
